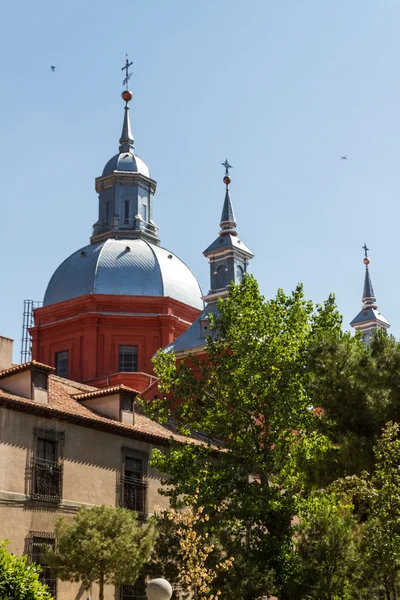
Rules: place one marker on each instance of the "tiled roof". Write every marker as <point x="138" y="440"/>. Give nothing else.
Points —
<point x="25" y="366"/>
<point x="63" y="405"/>
<point x="104" y="392"/>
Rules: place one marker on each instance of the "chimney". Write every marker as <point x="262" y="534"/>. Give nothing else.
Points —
<point x="6" y="350"/>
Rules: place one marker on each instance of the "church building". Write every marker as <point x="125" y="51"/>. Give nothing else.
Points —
<point x="112" y="304"/>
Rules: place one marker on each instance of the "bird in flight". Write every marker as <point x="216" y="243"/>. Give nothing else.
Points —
<point x="344" y="157"/>
<point x="53" y="68"/>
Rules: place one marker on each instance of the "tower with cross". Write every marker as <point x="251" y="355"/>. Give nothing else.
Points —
<point x="125" y="188"/>
<point x="228" y="256"/>
<point x="369" y="319"/>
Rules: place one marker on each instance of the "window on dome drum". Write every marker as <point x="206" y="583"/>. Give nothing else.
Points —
<point x="133" y="481"/>
<point x="145" y="213"/>
<point x="61" y="362"/>
<point x="126" y="211"/>
<point x="107" y="208"/>
<point x="46" y="467"/>
<point x="128" y="362"/>
<point x="34" y="549"/>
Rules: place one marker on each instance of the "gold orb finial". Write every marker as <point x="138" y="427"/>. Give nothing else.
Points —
<point x="366" y="261"/>
<point x="227" y="179"/>
<point x="127" y="95"/>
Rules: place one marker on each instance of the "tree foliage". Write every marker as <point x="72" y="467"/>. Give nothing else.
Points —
<point x="103" y="544"/>
<point x="18" y="579"/>
<point x="195" y="562"/>
<point x="250" y="395"/>
<point x="359" y="391"/>
<point x="326" y="551"/>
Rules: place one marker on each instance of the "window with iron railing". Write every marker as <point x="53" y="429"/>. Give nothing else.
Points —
<point x="137" y="591"/>
<point x="133" y="482"/>
<point x="47" y="466"/>
<point x="36" y="543"/>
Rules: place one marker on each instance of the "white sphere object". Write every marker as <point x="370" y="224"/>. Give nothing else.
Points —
<point x="159" y="589"/>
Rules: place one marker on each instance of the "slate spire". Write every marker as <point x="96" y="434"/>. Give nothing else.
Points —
<point x="369" y="319"/>
<point x="126" y="140"/>
<point x="228" y="255"/>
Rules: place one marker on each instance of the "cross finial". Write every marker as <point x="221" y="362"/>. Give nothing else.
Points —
<point x="227" y="166"/>
<point x="365" y="250"/>
<point x="127" y="74"/>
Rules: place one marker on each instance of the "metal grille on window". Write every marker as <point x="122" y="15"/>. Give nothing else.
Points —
<point x="46" y="466"/>
<point x="134" y="484"/>
<point x="35" y="542"/>
<point x="128" y="359"/>
<point x="62" y="363"/>
<point x="137" y="591"/>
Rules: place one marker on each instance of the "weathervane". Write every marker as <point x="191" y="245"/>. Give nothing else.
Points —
<point x="227" y="166"/>
<point x="127" y="74"/>
<point x="365" y="250"/>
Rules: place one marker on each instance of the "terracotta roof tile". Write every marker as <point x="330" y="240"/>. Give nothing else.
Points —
<point x="63" y="405"/>
<point x="104" y="392"/>
<point x="24" y="367"/>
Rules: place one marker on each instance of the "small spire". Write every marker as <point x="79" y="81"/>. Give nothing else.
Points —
<point x="368" y="291"/>
<point x="369" y="319"/>
<point x="126" y="140"/>
<point x="228" y="221"/>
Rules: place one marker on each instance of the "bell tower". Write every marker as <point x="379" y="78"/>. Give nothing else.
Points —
<point x="369" y="318"/>
<point x="228" y="255"/>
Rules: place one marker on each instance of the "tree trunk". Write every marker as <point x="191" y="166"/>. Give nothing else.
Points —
<point x="101" y="586"/>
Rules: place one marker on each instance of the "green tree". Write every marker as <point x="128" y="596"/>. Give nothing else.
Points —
<point x="326" y="551"/>
<point x="18" y="579"/>
<point x="380" y="496"/>
<point x="359" y="391"/>
<point x="103" y="544"/>
<point x="250" y="396"/>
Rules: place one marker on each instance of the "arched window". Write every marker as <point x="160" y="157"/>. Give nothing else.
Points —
<point x="222" y="273"/>
<point x="239" y="273"/>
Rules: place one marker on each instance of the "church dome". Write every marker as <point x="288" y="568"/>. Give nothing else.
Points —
<point x="126" y="161"/>
<point x="132" y="267"/>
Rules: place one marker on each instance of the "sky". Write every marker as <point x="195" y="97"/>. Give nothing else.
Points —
<point x="281" y="88"/>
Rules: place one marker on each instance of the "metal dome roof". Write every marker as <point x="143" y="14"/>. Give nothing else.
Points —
<point x="132" y="267"/>
<point x="126" y="161"/>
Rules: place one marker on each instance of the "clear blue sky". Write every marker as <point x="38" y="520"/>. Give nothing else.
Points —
<point x="282" y="88"/>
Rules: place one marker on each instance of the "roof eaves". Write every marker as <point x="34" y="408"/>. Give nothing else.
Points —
<point x="33" y="364"/>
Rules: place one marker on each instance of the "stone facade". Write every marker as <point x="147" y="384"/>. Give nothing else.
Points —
<point x="72" y="445"/>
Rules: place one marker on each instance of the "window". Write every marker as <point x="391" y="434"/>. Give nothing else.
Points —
<point x="126" y="211"/>
<point x="62" y="363"/>
<point x="145" y="214"/>
<point x="222" y="272"/>
<point x="127" y="401"/>
<point x="46" y="466"/>
<point x="137" y="591"/>
<point x="39" y="379"/>
<point x="134" y="484"/>
<point x="35" y="542"/>
<point x="239" y="273"/>
<point x="107" y="208"/>
<point x="128" y="359"/>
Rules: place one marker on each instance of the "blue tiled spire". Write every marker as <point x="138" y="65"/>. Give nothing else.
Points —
<point x="369" y="318"/>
